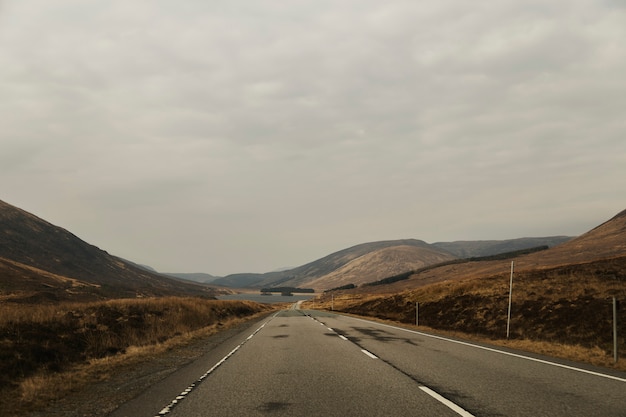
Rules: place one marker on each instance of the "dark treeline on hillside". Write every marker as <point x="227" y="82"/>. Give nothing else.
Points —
<point x="288" y="290"/>
<point x="506" y="255"/>
<point x="343" y="287"/>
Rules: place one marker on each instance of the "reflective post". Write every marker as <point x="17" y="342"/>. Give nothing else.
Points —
<point x="417" y="314"/>
<point x="508" y="320"/>
<point x="615" y="355"/>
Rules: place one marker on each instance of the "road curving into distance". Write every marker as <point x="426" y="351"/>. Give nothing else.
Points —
<point x="314" y="363"/>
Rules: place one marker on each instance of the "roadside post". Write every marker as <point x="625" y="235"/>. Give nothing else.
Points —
<point x="417" y="314"/>
<point x="508" y="320"/>
<point x="615" y="308"/>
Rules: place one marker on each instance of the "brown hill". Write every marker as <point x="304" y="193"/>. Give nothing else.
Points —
<point x="358" y="264"/>
<point x="478" y="248"/>
<point x="561" y="304"/>
<point x="604" y="242"/>
<point x="38" y="257"/>
<point x="380" y="264"/>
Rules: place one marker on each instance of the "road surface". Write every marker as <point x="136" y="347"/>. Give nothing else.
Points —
<point x="314" y="363"/>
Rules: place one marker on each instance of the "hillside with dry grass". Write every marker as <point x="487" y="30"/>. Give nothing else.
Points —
<point x="369" y="259"/>
<point x="561" y="299"/>
<point x="47" y="350"/>
<point x="604" y="242"/>
<point x="380" y="264"/>
<point x="39" y="259"/>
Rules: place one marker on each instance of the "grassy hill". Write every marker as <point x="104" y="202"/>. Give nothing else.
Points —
<point x="358" y="264"/>
<point x="478" y="248"/>
<point x="43" y="260"/>
<point x="374" y="261"/>
<point x="561" y="296"/>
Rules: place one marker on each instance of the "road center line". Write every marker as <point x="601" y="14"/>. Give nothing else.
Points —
<point x="370" y="354"/>
<point x="452" y="406"/>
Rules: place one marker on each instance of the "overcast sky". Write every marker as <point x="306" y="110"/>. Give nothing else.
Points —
<point x="245" y="136"/>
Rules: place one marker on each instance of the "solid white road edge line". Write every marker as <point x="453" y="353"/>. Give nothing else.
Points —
<point x="446" y="402"/>
<point x="168" y="409"/>
<point x="498" y="351"/>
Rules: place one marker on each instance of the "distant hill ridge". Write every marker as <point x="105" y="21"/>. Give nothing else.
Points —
<point x="30" y="246"/>
<point x="70" y="268"/>
<point x="478" y="248"/>
<point x="600" y="246"/>
<point x="312" y="270"/>
<point x="373" y="261"/>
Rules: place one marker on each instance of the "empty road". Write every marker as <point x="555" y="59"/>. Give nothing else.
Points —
<point x="313" y="363"/>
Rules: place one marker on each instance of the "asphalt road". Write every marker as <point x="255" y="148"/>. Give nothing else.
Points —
<point x="312" y="363"/>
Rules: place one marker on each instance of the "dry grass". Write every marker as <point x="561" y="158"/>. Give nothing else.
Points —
<point x="37" y="391"/>
<point x="48" y="350"/>
<point x="562" y="312"/>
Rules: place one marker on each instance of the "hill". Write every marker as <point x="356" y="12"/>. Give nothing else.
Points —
<point x="478" y="248"/>
<point x="357" y="264"/>
<point x="38" y="258"/>
<point x="193" y="276"/>
<point x="561" y="299"/>
<point x="605" y="242"/>
<point x="373" y="261"/>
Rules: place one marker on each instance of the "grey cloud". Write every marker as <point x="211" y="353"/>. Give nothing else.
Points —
<point x="342" y="122"/>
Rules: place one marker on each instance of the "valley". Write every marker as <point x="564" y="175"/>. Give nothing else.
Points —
<point x="67" y="305"/>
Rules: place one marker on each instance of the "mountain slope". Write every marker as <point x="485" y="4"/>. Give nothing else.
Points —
<point x="30" y="243"/>
<point x="367" y="266"/>
<point x="380" y="264"/>
<point x="605" y="242"/>
<point x="477" y="248"/>
<point x="192" y="276"/>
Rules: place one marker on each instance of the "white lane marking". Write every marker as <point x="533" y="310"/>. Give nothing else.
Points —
<point x="446" y="402"/>
<point x="370" y="354"/>
<point x="168" y="409"/>
<point x="515" y="355"/>
<point x="457" y="409"/>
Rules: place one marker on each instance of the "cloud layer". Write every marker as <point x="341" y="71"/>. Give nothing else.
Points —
<point x="232" y="136"/>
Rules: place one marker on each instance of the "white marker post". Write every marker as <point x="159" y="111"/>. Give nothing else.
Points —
<point x="615" y="355"/>
<point x="508" y="320"/>
<point x="417" y="314"/>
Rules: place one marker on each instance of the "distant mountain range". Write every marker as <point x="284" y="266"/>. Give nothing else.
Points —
<point x="38" y="258"/>
<point x="601" y="251"/>
<point x="373" y="261"/>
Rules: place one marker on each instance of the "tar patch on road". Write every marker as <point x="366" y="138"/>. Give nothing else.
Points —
<point x="273" y="406"/>
<point x="380" y="335"/>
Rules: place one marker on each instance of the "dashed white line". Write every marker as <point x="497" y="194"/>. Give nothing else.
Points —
<point x="370" y="354"/>
<point x="446" y="402"/>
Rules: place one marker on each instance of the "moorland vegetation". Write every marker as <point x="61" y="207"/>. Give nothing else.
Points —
<point x="43" y="346"/>
<point x="563" y="311"/>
